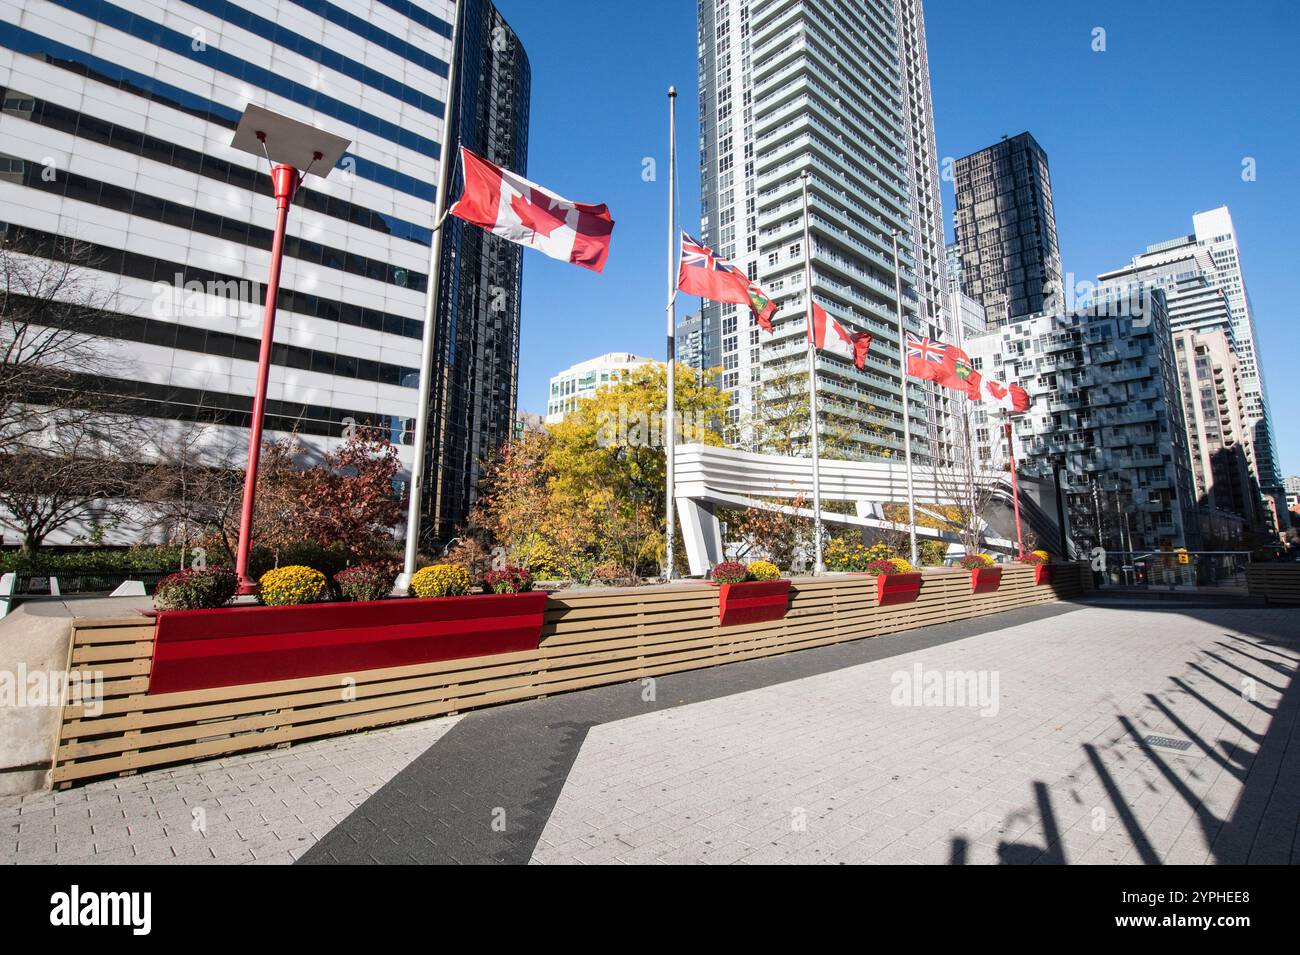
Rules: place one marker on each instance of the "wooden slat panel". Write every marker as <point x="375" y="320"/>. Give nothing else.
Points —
<point x="1277" y="583"/>
<point x="106" y="652"/>
<point x="100" y="633"/>
<point x="590" y="638"/>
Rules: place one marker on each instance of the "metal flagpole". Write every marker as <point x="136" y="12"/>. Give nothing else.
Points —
<point x="670" y="426"/>
<point x="907" y="414"/>
<point x="450" y="138"/>
<point x="1015" y="484"/>
<point x="819" y="565"/>
<point x="967" y="449"/>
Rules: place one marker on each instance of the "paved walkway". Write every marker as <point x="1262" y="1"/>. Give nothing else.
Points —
<point x="268" y="807"/>
<point x="1068" y="733"/>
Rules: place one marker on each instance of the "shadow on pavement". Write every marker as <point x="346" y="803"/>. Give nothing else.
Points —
<point x="1262" y="824"/>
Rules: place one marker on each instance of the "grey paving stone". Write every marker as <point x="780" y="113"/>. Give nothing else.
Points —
<point x="793" y="759"/>
<point x="1015" y="788"/>
<point x="250" y="813"/>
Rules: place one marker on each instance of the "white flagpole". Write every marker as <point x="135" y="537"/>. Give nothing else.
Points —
<point x="907" y="415"/>
<point x="670" y="426"/>
<point x="449" y="158"/>
<point x="819" y="565"/>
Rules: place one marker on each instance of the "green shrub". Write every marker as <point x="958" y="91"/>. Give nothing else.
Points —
<point x="537" y="556"/>
<point x="364" y="582"/>
<point x="932" y="553"/>
<point x="108" y="559"/>
<point x="196" y="589"/>
<point x="328" y="560"/>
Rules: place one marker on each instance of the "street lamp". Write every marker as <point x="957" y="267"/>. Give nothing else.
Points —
<point x="289" y="146"/>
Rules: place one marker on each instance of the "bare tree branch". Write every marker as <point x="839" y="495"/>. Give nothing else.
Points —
<point x="50" y="304"/>
<point x="970" y="484"/>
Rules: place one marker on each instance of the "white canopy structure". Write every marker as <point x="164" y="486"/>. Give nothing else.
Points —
<point x="711" y="477"/>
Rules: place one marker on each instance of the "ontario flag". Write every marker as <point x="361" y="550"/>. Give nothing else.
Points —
<point x="1009" y="397"/>
<point x="764" y="308"/>
<point x="959" y="373"/>
<point x="829" y="335"/>
<point x="925" y="358"/>
<point x="510" y="206"/>
<point x="945" y="365"/>
<point x="710" y="276"/>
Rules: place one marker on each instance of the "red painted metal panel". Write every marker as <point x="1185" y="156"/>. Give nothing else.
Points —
<point x="985" y="580"/>
<point x="754" y="601"/>
<point x="198" y="649"/>
<point x="897" y="589"/>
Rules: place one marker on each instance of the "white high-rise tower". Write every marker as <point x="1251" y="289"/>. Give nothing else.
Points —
<point x="1211" y="250"/>
<point x="840" y="89"/>
<point x="1214" y="231"/>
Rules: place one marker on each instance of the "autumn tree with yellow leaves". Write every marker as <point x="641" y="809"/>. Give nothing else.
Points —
<point x="585" y="498"/>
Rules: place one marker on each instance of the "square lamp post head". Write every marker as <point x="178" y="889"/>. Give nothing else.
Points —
<point x="287" y="141"/>
<point x="294" y="150"/>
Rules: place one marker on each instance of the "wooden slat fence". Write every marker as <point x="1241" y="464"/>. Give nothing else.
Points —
<point x="590" y="638"/>
<point x="1277" y="583"/>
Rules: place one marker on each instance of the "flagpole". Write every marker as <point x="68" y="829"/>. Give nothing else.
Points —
<point x="819" y="565"/>
<point x="907" y="414"/>
<point x="448" y="158"/>
<point x="1015" y="484"/>
<point x="670" y="426"/>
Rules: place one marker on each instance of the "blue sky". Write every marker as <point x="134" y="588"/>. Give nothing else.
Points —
<point x="1139" y="137"/>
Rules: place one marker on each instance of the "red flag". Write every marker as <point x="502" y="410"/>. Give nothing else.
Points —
<point x="1009" y="397"/>
<point x="510" y="206"/>
<point x="764" y="308"/>
<point x="828" y="334"/>
<point x="710" y="276"/>
<point x="958" y="372"/>
<point x="925" y="357"/>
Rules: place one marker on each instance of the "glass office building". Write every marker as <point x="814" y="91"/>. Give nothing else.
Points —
<point x="1006" y="228"/>
<point x="115" y="152"/>
<point x="475" y="391"/>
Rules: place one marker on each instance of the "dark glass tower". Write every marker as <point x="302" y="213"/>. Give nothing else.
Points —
<point x="475" y="370"/>
<point x="1006" y="228"/>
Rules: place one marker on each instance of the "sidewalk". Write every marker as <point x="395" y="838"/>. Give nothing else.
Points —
<point x="807" y="757"/>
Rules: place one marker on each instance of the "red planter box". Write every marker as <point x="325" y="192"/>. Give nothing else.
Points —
<point x="754" y="601"/>
<point x="1042" y="574"/>
<point x="985" y="580"/>
<point x="198" y="649"/>
<point x="897" y="588"/>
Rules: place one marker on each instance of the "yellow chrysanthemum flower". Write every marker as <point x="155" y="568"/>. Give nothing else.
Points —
<point x="293" y="584"/>
<point x="441" y="580"/>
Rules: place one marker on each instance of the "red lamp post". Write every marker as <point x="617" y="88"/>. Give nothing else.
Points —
<point x="286" y="144"/>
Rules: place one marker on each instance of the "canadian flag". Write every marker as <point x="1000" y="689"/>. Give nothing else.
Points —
<point x="510" y="206"/>
<point x="1011" y="398"/>
<point x="829" y="335"/>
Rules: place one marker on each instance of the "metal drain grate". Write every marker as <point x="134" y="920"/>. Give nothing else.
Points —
<point x="1168" y="742"/>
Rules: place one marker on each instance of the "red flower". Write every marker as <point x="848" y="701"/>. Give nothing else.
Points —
<point x="729" y="572"/>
